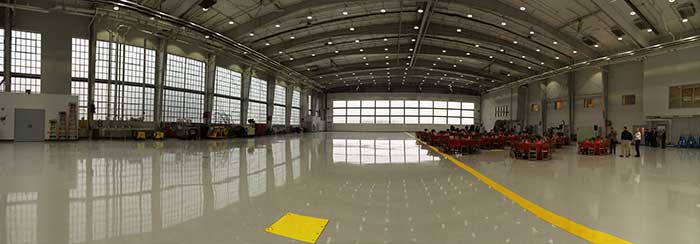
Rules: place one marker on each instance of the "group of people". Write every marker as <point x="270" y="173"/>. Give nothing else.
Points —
<point x="626" y="140"/>
<point x="652" y="138"/>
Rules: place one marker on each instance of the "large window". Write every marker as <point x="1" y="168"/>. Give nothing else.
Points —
<point x="279" y="114"/>
<point x="403" y="112"/>
<point x="130" y="70"/>
<point x="686" y="96"/>
<point x="80" y="89"/>
<point x="25" y="61"/>
<point x="183" y="89"/>
<point x="227" y="91"/>
<point x="257" y="107"/>
<point x="26" y="52"/>
<point x="296" y="108"/>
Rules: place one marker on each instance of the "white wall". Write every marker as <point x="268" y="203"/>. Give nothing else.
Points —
<point x="588" y="84"/>
<point x="51" y="103"/>
<point x="664" y="71"/>
<point x="534" y="96"/>
<point x="625" y="79"/>
<point x="395" y="96"/>
<point x="557" y="89"/>
<point x="490" y="101"/>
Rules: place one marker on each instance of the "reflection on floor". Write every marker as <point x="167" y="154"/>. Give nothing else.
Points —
<point x="373" y="187"/>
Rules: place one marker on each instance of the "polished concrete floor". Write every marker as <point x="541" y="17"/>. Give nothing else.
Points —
<point x="373" y="187"/>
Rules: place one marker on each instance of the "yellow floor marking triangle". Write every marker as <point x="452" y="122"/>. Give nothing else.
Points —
<point x="298" y="227"/>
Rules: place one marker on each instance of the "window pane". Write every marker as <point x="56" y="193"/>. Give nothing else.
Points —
<point x="440" y="104"/>
<point x="338" y="120"/>
<point x="354" y="104"/>
<point x="339" y="104"/>
<point x="368" y="120"/>
<point x="440" y="112"/>
<point x="453" y="121"/>
<point x="425" y="120"/>
<point x="382" y="104"/>
<point x="411" y="111"/>
<point x="397" y="103"/>
<point x="339" y="111"/>
<point x="411" y="104"/>
<point x="439" y="120"/>
<point x="467" y="113"/>
<point x="382" y="111"/>
<point x="353" y="120"/>
<point x="367" y="103"/>
<point x="354" y="111"/>
<point x="411" y="120"/>
<point x="398" y="111"/>
<point x="426" y="104"/>
<point x="396" y="120"/>
<point x="468" y="106"/>
<point x="454" y="105"/>
<point x="382" y="120"/>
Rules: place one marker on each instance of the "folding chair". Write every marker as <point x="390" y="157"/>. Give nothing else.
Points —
<point x="532" y="151"/>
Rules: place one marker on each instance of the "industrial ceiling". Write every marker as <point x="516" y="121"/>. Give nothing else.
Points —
<point x="346" y="45"/>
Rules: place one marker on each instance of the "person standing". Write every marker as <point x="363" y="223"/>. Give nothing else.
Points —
<point x="663" y="139"/>
<point x="627" y="138"/>
<point x="637" y="141"/>
<point x="612" y="136"/>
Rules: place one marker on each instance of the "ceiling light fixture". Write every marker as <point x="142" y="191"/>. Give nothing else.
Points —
<point x="382" y="10"/>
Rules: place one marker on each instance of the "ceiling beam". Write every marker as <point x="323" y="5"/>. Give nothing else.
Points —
<point x="421" y="64"/>
<point x="515" y="13"/>
<point x="423" y="28"/>
<point x="435" y="30"/>
<point x="427" y="49"/>
<point x="619" y="17"/>
<point x="495" y="7"/>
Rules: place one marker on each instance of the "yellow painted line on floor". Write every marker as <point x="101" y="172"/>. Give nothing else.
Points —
<point x="584" y="232"/>
<point x="298" y="227"/>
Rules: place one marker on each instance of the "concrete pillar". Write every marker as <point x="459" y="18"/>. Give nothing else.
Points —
<point x="209" y="78"/>
<point x="304" y="113"/>
<point x="270" y="100"/>
<point x="92" y="59"/>
<point x="606" y="79"/>
<point x="571" y="83"/>
<point x="159" y="81"/>
<point x="7" y="76"/>
<point x="288" y="110"/>
<point x="543" y="104"/>
<point x="246" y="76"/>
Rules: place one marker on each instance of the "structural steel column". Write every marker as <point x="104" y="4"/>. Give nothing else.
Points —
<point x="7" y="67"/>
<point x="159" y="81"/>
<point x="572" y="102"/>
<point x="92" y="59"/>
<point x="270" y="100"/>
<point x="606" y="79"/>
<point x="288" y="111"/>
<point x="246" y="76"/>
<point x="209" y="78"/>
<point x="543" y="105"/>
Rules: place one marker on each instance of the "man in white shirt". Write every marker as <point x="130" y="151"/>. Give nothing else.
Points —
<point x="637" y="141"/>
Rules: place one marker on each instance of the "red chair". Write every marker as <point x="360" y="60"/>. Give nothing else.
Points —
<point x="546" y="154"/>
<point x="454" y="144"/>
<point x="532" y="151"/>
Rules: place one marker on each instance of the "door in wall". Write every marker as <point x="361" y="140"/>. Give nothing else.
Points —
<point x="29" y="125"/>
